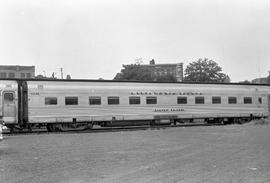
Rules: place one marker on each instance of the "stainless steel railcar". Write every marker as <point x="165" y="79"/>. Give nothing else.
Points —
<point x="78" y="104"/>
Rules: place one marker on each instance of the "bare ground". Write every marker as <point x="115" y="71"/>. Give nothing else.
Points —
<point x="219" y="154"/>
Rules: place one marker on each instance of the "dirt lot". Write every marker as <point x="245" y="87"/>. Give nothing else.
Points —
<point x="231" y="154"/>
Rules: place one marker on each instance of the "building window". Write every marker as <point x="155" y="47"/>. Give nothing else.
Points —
<point x="232" y="100"/>
<point x="3" y="75"/>
<point x="113" y="100"/>
<point x="94" y="100"/>
<point x="216" y="100"/>
<point x="71" y="100"/>
<point x="8" y="97"/>
<point x="199" y="100"/>
<point x="134" y="100"/>
<point x="181" y="100"/>
<point x="151" y="100"/>
<point x="22" y="75"/>
<point x="11" y="75"/>
<point x="50" y="101"/>
<point x="247" y="100"/>
<point x="28" y="75"/>
<point x="260" y="100"/>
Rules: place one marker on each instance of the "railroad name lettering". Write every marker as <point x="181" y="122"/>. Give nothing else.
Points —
<point x="177" y="110"/>
<point x="34" y="93"/>
<point x="165" y="93"/>
<point x="169" y="110"/>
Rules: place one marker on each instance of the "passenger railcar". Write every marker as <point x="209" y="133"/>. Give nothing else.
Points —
<point x="79" y="104"/>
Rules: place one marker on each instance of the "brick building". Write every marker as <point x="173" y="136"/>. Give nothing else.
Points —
<point x="16" y="71"/>
<point x="175" y="70"/>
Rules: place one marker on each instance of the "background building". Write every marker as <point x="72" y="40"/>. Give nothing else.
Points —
<point x="16" y="71"/>
<point x="265" y="80"/>
<point x="176" y="70"/>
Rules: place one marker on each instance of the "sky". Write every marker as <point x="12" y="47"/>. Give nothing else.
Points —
<point x="92" y="39"/>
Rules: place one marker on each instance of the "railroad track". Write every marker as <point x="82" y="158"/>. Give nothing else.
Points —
<point x="106" y="129"/>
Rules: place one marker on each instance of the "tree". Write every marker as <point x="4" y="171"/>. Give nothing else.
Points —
<point x="68" y="76"/>
<point x="246" y="81"/>
<point x="204" y="70"/>
<point x="269" y="78"/>
<point x="134" y="72"/>
<point x="40" y="77"/>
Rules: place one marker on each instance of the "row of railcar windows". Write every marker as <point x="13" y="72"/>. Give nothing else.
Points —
<point x="133" y="100"/>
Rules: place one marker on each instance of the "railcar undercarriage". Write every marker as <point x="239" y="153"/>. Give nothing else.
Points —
<point x="62" y="127"/>
<point x="80" y="126"/>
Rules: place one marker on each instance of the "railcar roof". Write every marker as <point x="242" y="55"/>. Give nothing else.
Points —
<point x="128" y="81"/>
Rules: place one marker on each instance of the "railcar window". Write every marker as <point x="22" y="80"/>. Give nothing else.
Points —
<point x="216" y="100"/>
<point x="232" y="100"/>
<point x="22" y="75"/>
<point x="260" y="100"/>
<point x="11" y="75"/>
<point x="71" y="100"/>
<point x="247" y="100"/>
<point x="94" y="100"/>
<point x="199" y="100"/>
<point x="134" y="100"/>
<point x="3" y="75"/>
<point x="50" y="101"/>
<point x="8" y="97"/>
<point x="113" y="100"/>
<point x="181" y="100"/>
<point x="151" y="100"/>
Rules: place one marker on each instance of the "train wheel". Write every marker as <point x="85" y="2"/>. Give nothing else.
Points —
<point x="90" y="125"/>
<point x="29" y="127"/>
<point x="219" y="120"/>
<point x="51" y="127"/>
<point x="48" y="128"/>
<point x="11" y="128"/>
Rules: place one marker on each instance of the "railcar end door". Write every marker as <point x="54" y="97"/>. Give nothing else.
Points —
<point x="269" y="104"/>
<point x="1" y="105"/>
<point x="9" y="107"/>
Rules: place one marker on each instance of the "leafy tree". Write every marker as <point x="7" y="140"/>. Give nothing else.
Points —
<point x="246" y="81"/>
<point x="40" y="77"/>
<point x="134" y="72"/>
<point x="204" y="70"/>
<point x="44" y="77"/>
<point x="68" y="76"/>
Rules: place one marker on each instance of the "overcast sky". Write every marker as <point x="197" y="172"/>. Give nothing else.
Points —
<point x="92" y="39"/>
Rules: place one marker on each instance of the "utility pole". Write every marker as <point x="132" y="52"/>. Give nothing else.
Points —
<point x="61" y="69"/>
